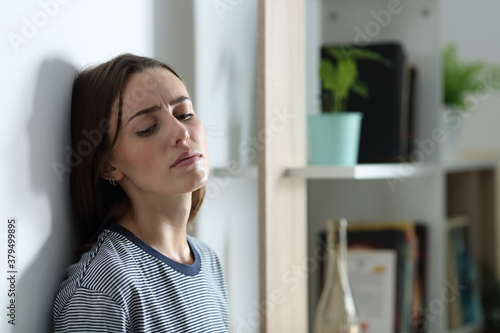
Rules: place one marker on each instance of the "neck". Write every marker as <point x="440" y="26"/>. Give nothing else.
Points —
<point x="162" y="225"/>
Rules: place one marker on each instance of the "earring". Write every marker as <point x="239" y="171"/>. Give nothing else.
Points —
<point x="112" y="181"/>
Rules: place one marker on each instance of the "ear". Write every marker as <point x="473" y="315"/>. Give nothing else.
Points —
<point x="110" y="172"/>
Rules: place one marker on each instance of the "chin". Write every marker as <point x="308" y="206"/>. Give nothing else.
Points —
<point x="203" y="182"/>
<point x="202" y="175"/>
<point x="198" y="181"/>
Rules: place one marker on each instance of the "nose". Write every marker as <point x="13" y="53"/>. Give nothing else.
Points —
<point x="178" y="132"/>
<point x="183" y="138"/>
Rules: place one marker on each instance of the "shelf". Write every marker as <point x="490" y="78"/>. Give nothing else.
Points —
<point x="362" y="171"/>
<point x="473" y="162"/>
<point x="394" y="170"/>
<point x="371" y="171"/>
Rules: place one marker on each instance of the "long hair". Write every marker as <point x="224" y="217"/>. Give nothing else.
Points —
<point x="96" y="202"/>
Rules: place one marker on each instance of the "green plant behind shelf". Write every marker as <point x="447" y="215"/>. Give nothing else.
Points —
<point x="461" y="79"/>
<point x="339" y="78"/>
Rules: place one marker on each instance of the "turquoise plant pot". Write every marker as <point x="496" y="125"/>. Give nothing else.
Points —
<point x="334" y="138"/>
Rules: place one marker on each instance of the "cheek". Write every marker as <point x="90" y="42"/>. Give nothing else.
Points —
<point x="199" y="135"/>
<point x="203" y="143"/>
<point x="136" y="157"/>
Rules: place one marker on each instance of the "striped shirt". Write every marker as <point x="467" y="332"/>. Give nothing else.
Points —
<point x="124" y="285"/>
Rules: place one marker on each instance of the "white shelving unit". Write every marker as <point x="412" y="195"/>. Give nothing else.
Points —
<point x="362" y="192"/>
<point x="406" y="191"/>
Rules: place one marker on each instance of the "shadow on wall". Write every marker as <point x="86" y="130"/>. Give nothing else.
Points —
<point x="48" y="132"/>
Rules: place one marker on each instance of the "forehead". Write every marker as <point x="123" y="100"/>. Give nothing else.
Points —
<point x="156" y="86"/>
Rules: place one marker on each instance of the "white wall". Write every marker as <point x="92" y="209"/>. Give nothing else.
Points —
<point x="226" y="53"/>
<point x="35" y="91"/>
<point x="314" y="40"/>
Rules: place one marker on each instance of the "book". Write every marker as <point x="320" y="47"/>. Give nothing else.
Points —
<point x="462" y="274"/>
<point x="398" y="236"/>
<point x="455" y="315"/>
<point x="372" y="276"/>
<point x="412" y="106"/>
<point x="420" y="284"/>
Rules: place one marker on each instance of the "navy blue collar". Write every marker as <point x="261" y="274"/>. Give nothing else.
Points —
<point x="189" y="270"/>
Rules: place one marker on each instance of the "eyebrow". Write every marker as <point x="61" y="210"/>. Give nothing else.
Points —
<point x="179" y="99"/>
<point x="155" y="108"/>
<point x="145" y="111"/>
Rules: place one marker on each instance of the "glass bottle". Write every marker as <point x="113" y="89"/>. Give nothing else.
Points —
<point x="336" y="312"/>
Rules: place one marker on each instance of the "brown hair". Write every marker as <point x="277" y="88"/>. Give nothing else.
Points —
<point x="96" y="202"/>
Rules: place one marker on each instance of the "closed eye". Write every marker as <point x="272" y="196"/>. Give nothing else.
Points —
<point x="185" y="116"/>
<point x="147" y="131"/>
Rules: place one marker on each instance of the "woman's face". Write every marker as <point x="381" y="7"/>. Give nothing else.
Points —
<point x="161" y="147"/>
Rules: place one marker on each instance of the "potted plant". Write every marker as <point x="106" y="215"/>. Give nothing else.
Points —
<point x="334" y="133"/>
<point x="462" y="79"/>
<point x="464" y="85"/>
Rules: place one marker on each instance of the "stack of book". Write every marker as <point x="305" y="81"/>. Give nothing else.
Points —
<point x="387" y="268"/>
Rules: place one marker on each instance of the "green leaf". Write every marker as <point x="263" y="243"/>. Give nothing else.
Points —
<point x="345" y="77"/>
<point x="327" y="74"/>
<point x="461" y="79"/>
<point x="346" y="53"/>
<point x="341" y="76"/>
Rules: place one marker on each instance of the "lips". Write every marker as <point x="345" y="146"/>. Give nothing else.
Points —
<point x="187" y="158"/>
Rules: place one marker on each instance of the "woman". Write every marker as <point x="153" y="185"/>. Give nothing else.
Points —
<point x="138" y="179"/>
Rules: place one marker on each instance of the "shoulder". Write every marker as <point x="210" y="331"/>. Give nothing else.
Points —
<point x="90" y="311"/>
<point x="202" y="248"/>
<point x="209" y="258"/>
<point x="106" y="268"/>
<point x="212" y="271"/>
